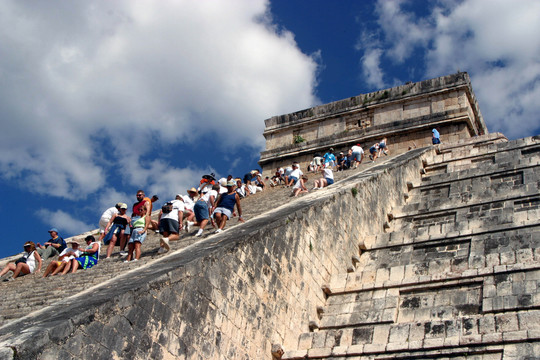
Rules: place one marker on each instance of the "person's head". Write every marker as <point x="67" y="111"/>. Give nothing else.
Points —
<point x="215" y="187"/>
<point x="230" y="185"/>
<point x="74" y="245"/>
<point x="29" y="246"/>
<point x="229" y="177"/>
<point x="331" y="150"/>
<point x="53" y="232"/>
<point x="295" y="166"/>
<point x="238" y="182"/>
<point x="192" y="192"/>
<point x="123" y="208"/>
<point x="154" y="198"/>
<point x="89" y="239"/>
<point x="140" y="195"/>
<point x="179" y="197"/>
<point x="117" y="206"/>
<point x="142" y="210"/>
<point x="350" y="152"/>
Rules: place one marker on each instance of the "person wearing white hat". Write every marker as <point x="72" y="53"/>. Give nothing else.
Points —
<point x="64" y="260"/>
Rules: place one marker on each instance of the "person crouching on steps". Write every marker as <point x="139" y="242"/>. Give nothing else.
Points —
<point x="224" y="207"/>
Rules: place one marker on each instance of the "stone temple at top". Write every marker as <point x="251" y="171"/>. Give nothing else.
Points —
<point x="431" y="252"/>
<point x="405" y="115"/>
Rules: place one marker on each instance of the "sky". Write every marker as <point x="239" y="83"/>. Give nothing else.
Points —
<point x="99" y="99"/>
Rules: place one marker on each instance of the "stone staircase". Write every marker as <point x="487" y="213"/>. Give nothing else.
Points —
<point x="454" y="274"/>
<point x="18" y="301"/>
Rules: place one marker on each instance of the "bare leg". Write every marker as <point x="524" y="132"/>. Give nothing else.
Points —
<point x="52" y="266"/>
<point x="8" y="267"/>
<point x="137" y="250"/>
<point x="67" y="266"/>
<point x="123" y="240"/>
<point x="74" y="265"/>
<point x="131" y="247"/>
<point x="21" y="267"/>
<point x="110" y="249"/>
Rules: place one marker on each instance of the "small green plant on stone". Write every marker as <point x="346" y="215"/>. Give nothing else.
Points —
<point x="298" y="139"/>
<point x="310" y="246"/>
<point x="354" y="191"/>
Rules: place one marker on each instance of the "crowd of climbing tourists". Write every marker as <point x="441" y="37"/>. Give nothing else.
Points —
<point x="214" y="202"/>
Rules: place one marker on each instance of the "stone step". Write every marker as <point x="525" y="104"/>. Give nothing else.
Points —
<point x="461" y="194"/>
<point x="450" y="338"/>
<point x="435" y="258"/>
<point x="496" y="170"/>
<point x="470" y="155"/>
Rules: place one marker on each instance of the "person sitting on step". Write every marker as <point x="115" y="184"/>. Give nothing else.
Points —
<point x="63" y="264"/>
<point x="224" y="207"/>
<point x="327" y="179"/>
<point x="89" y="255"/>
<point x="25" y="264"/>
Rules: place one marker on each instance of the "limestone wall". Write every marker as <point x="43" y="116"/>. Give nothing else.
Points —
<point x="229" y="296"/>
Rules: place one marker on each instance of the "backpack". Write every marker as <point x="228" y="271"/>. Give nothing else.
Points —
<point x="167" y="208"/>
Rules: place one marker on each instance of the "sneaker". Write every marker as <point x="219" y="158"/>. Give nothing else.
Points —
<point x="218" y="231"/>
<point x="157" y="231"/>
<point x="123" y="253"/>
<point x="199" y="233"/>
<point x="126" y="261"/>
<point x="371" y="157"/>
<point x="135" y="260"/>
<point x="188" y="226"/>
<point x="164" y="243"/>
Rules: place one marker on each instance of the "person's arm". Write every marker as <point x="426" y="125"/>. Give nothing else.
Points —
<point x="38" y="259"/>
<point x="217" y="202"/>
<point x="147" y="221"/>
<point x="239" y="207"/>
<point x="109" y="224"/>
<point x="93" y="250"/>
<point x="148" y="207"/>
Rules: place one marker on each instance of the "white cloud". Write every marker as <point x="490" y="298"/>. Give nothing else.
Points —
<point x="494" y="41"/>
<point x="122" y="71"/>
<point x="64" y="222"/>
<point x="371" y="68"/>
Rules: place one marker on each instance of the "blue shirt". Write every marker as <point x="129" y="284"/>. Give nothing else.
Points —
<point x="329" y="157"/>
<point x="435" y="133"/>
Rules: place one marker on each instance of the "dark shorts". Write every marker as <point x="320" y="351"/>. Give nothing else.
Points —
<point x="436" y="141"/>
<point x="372" y="150"/>
<point x="329" y="181"/>
<point x="169" y="226"/>
<point x="201" y="211"/>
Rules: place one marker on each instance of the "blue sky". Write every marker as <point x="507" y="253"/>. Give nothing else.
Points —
<point x="99" y="99"/>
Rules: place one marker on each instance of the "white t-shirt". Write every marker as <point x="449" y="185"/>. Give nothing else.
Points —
<point x="74" y="254"/>
<point x="288" y="171"/>
<point x="188" y="202"/>
<point x="108" y="214"/>
<point x="357" y="149"/>
<point x="328" y="174"/>
<point x="297" y="173"/>
<point x="206" y="196"/>
<point x="177" y="206"/>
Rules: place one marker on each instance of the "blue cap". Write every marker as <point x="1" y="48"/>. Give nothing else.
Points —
<point x="54" y="229"/>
